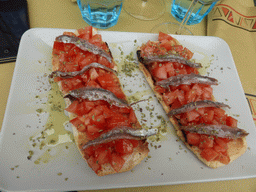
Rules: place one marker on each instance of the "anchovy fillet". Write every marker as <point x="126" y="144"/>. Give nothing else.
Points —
<point x="121" y="133"/>
<point x="223" y="131"/>
<point x="66" y="75"/>
<point x="167" y="58"/>
<point x="187" y="79"/>
<point x="95" y="94"/>
<point x="195" y="105"/>
<point x="84" y="45"/>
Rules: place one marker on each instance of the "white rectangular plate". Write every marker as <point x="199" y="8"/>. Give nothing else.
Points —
<point x="65" y="169"/>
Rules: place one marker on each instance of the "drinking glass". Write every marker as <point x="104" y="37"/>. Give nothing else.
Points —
<point x="145" y="9"/>
<point x="187" y="12"/>
<point x="100" y="13"/>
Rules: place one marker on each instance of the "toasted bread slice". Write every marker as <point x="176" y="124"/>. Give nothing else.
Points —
<point x="236" y="147"/>
<point x="131" y="160"/>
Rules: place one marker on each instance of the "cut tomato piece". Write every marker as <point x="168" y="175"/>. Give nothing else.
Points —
<point x="87" y="59"/>
<point x="124" y="146"/>
<point x="167" y="44"/>
<point x="96" y="39"/>
<point x="78" y="124"/>
<point x="230" y="121"/>
<point x="102" y="155"/>
<point x="88" y="106"/>
<point x="219" y="112"/>
<point x="94" y="164"/>
<point x="99" y="121"/>
<point x="208" y="116"/>
<point x="71" y="84"/>
<point x="223" y="159"/>
<point x="120" y="109"/>
<point x="89" y="151"/>
<point x="93" y="84"/>
<point x="105" y="62"/>
<point x="207" y="93"/>
<point x="192" y="115"/>
<point x="219" y="148"/>
<point x="206" y="141"/>
<point x="162" y="36"/>
<point x="72" y="107"/>
<point x="193" y="139"/>
<point x="209" y="154"/>
<point x="93" y="74"/>
<point x="169" y="98"/>
<point x="132" y="116"/>
<point x="184" y="87"/>
<point x="190" y="96"/>
<point x="159" y="72"/>
<point x="85" y="33"/>
<point x="117" y="162"/>
<point x="117" y="121"/>
<point x="107" y="81"/>
<point x="222" y="142"/>
<point x="134" y="142"/>
<point x="197" y="89"/>
<point x="117" y="91"/>
<point x="93" y="132"/>
<point x="160" y="89"/>
<point x="200" y="111"/>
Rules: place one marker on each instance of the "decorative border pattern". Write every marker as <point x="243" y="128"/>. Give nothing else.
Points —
<point x="234" y="18"/>
<point x="251" y="99"/>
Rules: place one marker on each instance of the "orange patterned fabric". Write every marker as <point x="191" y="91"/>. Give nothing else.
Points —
<point x="236" y="24"/>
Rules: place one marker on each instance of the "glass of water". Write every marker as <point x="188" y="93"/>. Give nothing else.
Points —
<point x="101" y="14"/>
<point x="187" y="12"/>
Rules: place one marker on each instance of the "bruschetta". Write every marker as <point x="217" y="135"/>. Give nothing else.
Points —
<point x="187" y="98"/>
<point x="104" y="125"/>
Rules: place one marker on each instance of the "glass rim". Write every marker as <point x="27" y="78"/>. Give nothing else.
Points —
<point x="167" y="23"/>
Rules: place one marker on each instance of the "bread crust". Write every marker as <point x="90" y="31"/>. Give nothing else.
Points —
<point x="236" y="147"/>
<point x="131" y="160"/>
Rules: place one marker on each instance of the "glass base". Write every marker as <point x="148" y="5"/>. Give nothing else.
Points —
<point x="170" y="28"/>
<point x="145" y="9"/>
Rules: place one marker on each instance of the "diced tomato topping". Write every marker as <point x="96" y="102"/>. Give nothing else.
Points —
<point x="69" y="34"/>
<point x="78" y="124"/>
<point x="87" y="59"/>
<point x="117" y="91"/>
<point x="107" y="80"/>
<point x="209" y="154"/>
<point x="193" y="139"/>
<point x="206" y="141"/>
<point x="96" y="39"/>
<point x="118" y="120"/>
<point x="85" y="33"/>
<point x="230" y="121"/>
<point x="93" y="84"/>
<point x="117" y="162"/>
<point x="72" y="107"/>
<point x="124" y="146"/>
<point x="102" y="155"/>
<point x="223" y="159"/>
<point x="159" y="72"/>
<point x="105" y="62"/>
<point x="162" y="36"/>
<point x="132" y="117"/>
<point x="192" y="115"/>
<point x="89" y="151"/>
<point x="93" y="132"/>
<point x="135" y="143"/>
<point x="222" y="142"/>
<point x="160" y="89"/>
<point x="208" y="117"/>
<point x="93" y="164"/>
